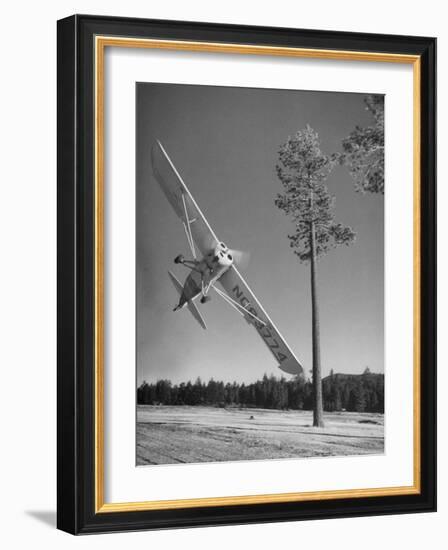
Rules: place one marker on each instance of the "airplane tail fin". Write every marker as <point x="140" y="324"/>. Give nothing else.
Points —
<point x="192" y="308"/>
<point x="196" y="314"/>
<point x="176" y="283"/>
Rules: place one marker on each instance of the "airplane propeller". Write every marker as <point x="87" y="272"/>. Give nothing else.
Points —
<point x="240" y="258"/>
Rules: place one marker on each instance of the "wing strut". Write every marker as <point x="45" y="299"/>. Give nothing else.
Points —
<point x="237" y="306"/>
<point x="188" y="228"/>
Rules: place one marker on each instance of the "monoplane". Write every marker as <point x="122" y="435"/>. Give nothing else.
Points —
<point x="212" y="265"/>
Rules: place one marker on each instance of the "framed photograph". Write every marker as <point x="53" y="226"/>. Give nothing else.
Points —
<point x="246" y="274"/>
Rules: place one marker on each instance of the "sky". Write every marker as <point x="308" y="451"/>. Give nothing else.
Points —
<point x="224" y="142"/>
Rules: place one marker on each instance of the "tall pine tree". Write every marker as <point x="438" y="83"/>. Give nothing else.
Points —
<point x="303" y="169"/>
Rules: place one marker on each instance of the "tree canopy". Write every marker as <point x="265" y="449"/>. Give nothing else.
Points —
<point x="302" y="170"/>
<point x="363" y="150"/>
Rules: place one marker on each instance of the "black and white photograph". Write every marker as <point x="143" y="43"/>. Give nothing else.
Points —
<point x="220" y="259"/>
<point x="259" y="274"/>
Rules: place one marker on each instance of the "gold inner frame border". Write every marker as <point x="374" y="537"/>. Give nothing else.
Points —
<point x="100" y="44"/>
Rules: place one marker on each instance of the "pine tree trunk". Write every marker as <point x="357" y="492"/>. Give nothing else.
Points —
<point x="318" y="416"/>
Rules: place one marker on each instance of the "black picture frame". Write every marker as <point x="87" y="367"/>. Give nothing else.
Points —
<point x="76" y="509"/>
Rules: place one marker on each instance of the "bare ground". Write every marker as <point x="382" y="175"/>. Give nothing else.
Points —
<point x="183" y="434"/>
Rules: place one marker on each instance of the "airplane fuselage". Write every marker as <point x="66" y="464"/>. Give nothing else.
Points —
<point x="206" y="272"/>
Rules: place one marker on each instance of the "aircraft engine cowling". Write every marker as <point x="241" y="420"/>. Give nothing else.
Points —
<point x="224" y="257"/>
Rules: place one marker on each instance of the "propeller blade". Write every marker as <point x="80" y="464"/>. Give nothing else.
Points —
<point x="240" y="258"/>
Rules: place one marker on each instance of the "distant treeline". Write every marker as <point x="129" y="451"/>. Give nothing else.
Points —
<point x="350" y="392"/>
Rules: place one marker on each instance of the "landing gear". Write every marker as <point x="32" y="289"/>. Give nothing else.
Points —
<point x="179" y="259"/>
<point x="205" y="299"/>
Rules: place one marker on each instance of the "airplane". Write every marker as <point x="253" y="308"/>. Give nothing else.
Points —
<point x="213" y="264"/>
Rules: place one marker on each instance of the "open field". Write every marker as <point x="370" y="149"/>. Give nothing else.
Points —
<point x="184" y="434"/>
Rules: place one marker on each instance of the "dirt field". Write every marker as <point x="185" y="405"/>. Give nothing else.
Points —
<point x="170" y="435"/>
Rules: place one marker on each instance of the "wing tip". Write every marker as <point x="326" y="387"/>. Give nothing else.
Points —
<point x="158" y="145"/>
<point x="291" y="366"/>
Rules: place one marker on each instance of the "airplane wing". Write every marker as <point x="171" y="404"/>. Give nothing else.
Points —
<point x="197" y="229"/>
<point x="238" y="290"/>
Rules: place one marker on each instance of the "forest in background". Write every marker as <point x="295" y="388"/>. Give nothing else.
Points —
<point x="341" y="392"/>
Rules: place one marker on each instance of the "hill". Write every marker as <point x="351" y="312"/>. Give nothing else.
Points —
<point x="354" y="392"/>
